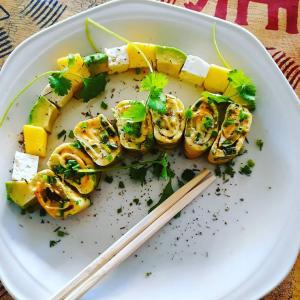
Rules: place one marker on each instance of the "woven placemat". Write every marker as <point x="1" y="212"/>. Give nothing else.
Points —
<point x="275" y="22"/>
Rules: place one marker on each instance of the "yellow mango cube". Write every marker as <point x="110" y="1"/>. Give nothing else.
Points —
<point x="35" y="139"/>
<point x="77" y="67"/>
<point x="217" y="79"/>
<point x="136" y="59"/>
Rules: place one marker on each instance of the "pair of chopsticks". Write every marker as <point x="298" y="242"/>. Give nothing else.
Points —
<point x="134" y="238"/>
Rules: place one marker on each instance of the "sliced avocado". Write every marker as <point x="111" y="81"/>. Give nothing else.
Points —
<point x="169" y="60"/>
<point x="21" y="193"/>
<point x="96" y="63"/>
<point x="43" y="114"/>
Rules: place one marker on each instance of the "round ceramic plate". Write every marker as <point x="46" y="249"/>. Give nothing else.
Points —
<point x="236" y="241"/>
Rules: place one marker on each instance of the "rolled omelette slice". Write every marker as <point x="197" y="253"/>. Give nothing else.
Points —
<point x="137" y="136"/>
<point x="99" y="139"/>
<point x="231" y="137"/>
<point x="58" y="199"/>
<point x="201" y="128"/>
<point x="169" y="127"/>
<point x="66" y="160"/>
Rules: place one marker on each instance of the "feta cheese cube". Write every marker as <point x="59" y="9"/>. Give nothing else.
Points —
<point x="194" y="70"/>
<point x="25" y="166"/>
<point x="57" y="100"/>
<point x="118" y="60"/>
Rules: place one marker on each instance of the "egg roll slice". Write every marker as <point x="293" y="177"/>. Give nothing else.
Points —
<point x="66" y="160"/>
<point x="201" y="128"/>
<point x="136" y="136"/>
<point x="169" y="127"/>
<point x="231" y="137"/>
<point x="57" y="198"/>
<point x="99" y="139"/>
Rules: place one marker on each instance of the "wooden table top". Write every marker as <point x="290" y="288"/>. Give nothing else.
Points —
<point x="275" y="22"/>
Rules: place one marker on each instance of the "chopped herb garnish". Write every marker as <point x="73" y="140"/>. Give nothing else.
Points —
<point x="84" y="125"/>
<point x="137" y="71"/>
<point x="138" y="174"/>
<point x="61" y="134"/>
<point x="136" y="201"/>
<point x="188" y="113"/>
<point x="247" y="169"/>
<point x="121" y="185"/>
<point x="119" y="210"/>
<point x="71" y="134"/>
<point x="53" y="243"/>
<point x="147" y="274"/>
<point x="188" y="175"/>
<point x="61" y="233"/>
<point x="104" y="105"/>
<point x="259" y="144"/>
<point x="218" y="171"/>
<point x="133" y="129"/>
<point x="207" y="122"/>
<point x="214" y="133"/>
<point x="166" y="193"/>
<point x="77" y="145"/>
<point x="108" y="179"/>
<point x="243" y="116"/>
<point x="228" y="122"/>
<point x="51" y="179"/>
<point x="149" y="202"/>
<point x="229" y="169"/>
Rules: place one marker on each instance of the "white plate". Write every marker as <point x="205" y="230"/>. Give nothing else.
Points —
<point x="241" y="260"/>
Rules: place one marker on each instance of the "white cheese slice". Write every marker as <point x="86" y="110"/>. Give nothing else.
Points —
<point x="25" y="166"/>
<point x="59" y="101"/>
<point x="194" y="70"/>
<point x="118" y="60"/>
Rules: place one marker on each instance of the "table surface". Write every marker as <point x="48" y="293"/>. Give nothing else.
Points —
<point x="275" y="22"/>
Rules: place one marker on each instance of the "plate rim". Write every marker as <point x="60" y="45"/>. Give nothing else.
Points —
<point x="293" y="254"/>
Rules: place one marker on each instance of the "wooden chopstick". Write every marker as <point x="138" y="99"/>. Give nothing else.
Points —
<point x="128" y="237"/>
<point x="139" y="240"/>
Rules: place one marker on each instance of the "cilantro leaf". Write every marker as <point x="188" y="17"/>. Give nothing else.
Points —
<point x="217" y="98"/>
<point x="243" y="84"/>
<point x="93" y="86"/>
<point x="154" y="81"/>
<point x="188" y="175"/>
<point x="133" y="129"/>
<point x="166" y="193"/>
<point x="157" y="101"/>
<point x="138" y="174"/>
<point x="259" y="144"/>
<point x="135" y="113"/>
<point x="96" y="58"/>
<point x="207" y="122"/>
<point x="60" y="84"/>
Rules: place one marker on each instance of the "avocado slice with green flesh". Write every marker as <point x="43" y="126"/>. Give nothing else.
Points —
<point x="43" y="114"/>
<point x="21" y="193"/>
<point x="96" y="63"/>
<point x="169" y="60"/>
